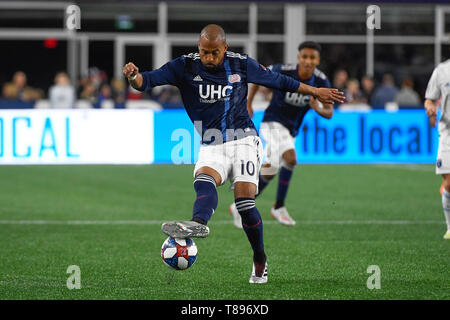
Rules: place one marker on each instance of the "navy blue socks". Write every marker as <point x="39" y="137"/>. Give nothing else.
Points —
<point x="206" y="201"/>
<point x="253" y="226"/>
<point x="284" y="179"/>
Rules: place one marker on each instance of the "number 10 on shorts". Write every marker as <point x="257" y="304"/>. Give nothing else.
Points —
<point x="247" y="168"/>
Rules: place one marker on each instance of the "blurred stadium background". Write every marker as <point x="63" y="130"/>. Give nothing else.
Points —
<point x="64" y="101"/>
<point x="46" y="66"/>
<point x="413" y="38"/>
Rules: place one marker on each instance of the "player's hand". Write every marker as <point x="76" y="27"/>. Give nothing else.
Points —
<point x="432" y="115"/>
<point x="130" y="70"/>
<point x="327" y="95"/>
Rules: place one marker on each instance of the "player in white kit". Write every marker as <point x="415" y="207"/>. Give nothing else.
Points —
<point x="439" y="88"/>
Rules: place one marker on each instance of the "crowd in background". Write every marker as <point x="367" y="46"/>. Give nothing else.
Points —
<point x="101" y="92"/>
<point x="95" y="88"/>
<point x="367" y="91"/>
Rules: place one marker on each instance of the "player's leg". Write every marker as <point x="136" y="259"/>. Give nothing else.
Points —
<point x="263" y="181"/>
<point x="205" y="182"/>
<point x="271" y="134"/>
<point x="279" y="211"/>
<point x="267" y="172"/>
<point x="443" y="169"/>
<point x="245" y="172"/>
<point x="446" y="203"/>
<point x="244" y="194"/>
<point x="287" y="160"/>
<point x="285" y="175"/>
<point x="210" y="171"/>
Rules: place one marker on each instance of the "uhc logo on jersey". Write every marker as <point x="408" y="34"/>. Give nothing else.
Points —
<point x="210" y="93"/>
<point x="296" y="99"/>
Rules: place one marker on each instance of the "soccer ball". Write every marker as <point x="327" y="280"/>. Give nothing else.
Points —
<point x="179" y="254"/>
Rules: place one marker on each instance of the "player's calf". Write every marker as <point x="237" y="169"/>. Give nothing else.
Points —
<point x="204" y="206"/>
<point x="446" y="204"/>
<point x="284" y="180"/>
<point x="206" y="201"/>
<point x="253" y="227"/>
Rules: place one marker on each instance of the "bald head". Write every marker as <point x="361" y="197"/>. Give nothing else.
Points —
<point x="213" y="32"/>
<point x="212" y="46"/>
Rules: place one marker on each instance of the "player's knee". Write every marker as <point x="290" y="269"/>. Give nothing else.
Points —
<point x="211" y="173"/>
<point x="244" y="190"/>
<point x="289" y="159"/>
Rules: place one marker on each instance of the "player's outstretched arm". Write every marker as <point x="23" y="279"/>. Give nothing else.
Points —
<point x="131" y="72"/>
<point x="258" y="74"/>
<point x="430" y="107"/>
<point x="251" y="95"/>
<point x="324" y="95"/>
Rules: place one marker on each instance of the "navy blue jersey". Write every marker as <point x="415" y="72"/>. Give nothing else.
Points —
<point x="288" y="108"/>
<point x="218" y="97"/>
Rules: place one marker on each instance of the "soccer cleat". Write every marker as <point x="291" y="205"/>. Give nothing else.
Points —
<point x="237" y="220"/>
<point x="447" y="235"/>
<point x="259" y="273"/>
<point x="282" y="216"/>
<point x="185" y="229"/>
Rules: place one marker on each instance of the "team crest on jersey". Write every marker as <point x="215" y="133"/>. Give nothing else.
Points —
<point x="439" y="163"/>
<point x="232" y="78"/>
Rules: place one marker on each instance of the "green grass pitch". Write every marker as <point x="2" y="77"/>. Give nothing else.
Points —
<point x="348" y="218"/>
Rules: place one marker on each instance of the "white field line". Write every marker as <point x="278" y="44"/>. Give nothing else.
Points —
<point x="410" y="167"/>
<point x="159" y="222"/>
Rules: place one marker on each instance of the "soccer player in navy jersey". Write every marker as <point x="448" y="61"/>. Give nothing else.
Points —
<point x="213" y="86"/>
<point x="282" y="120"/>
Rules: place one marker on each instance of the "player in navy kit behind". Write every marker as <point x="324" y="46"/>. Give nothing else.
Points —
<point x="213" y="86"/>
<point x="282" y="120"/>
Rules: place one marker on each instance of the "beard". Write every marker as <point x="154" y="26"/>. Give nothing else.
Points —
<point x="210" y="66"/>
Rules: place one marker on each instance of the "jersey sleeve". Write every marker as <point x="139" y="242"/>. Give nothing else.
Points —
<point x="257" y="73"/>
<point x="170" y="73"/>
<point x="433" y="92"/>
<point x="275" y="67"/>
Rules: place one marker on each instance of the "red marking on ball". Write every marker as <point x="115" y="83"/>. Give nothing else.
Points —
<point x="182" y="251"/>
